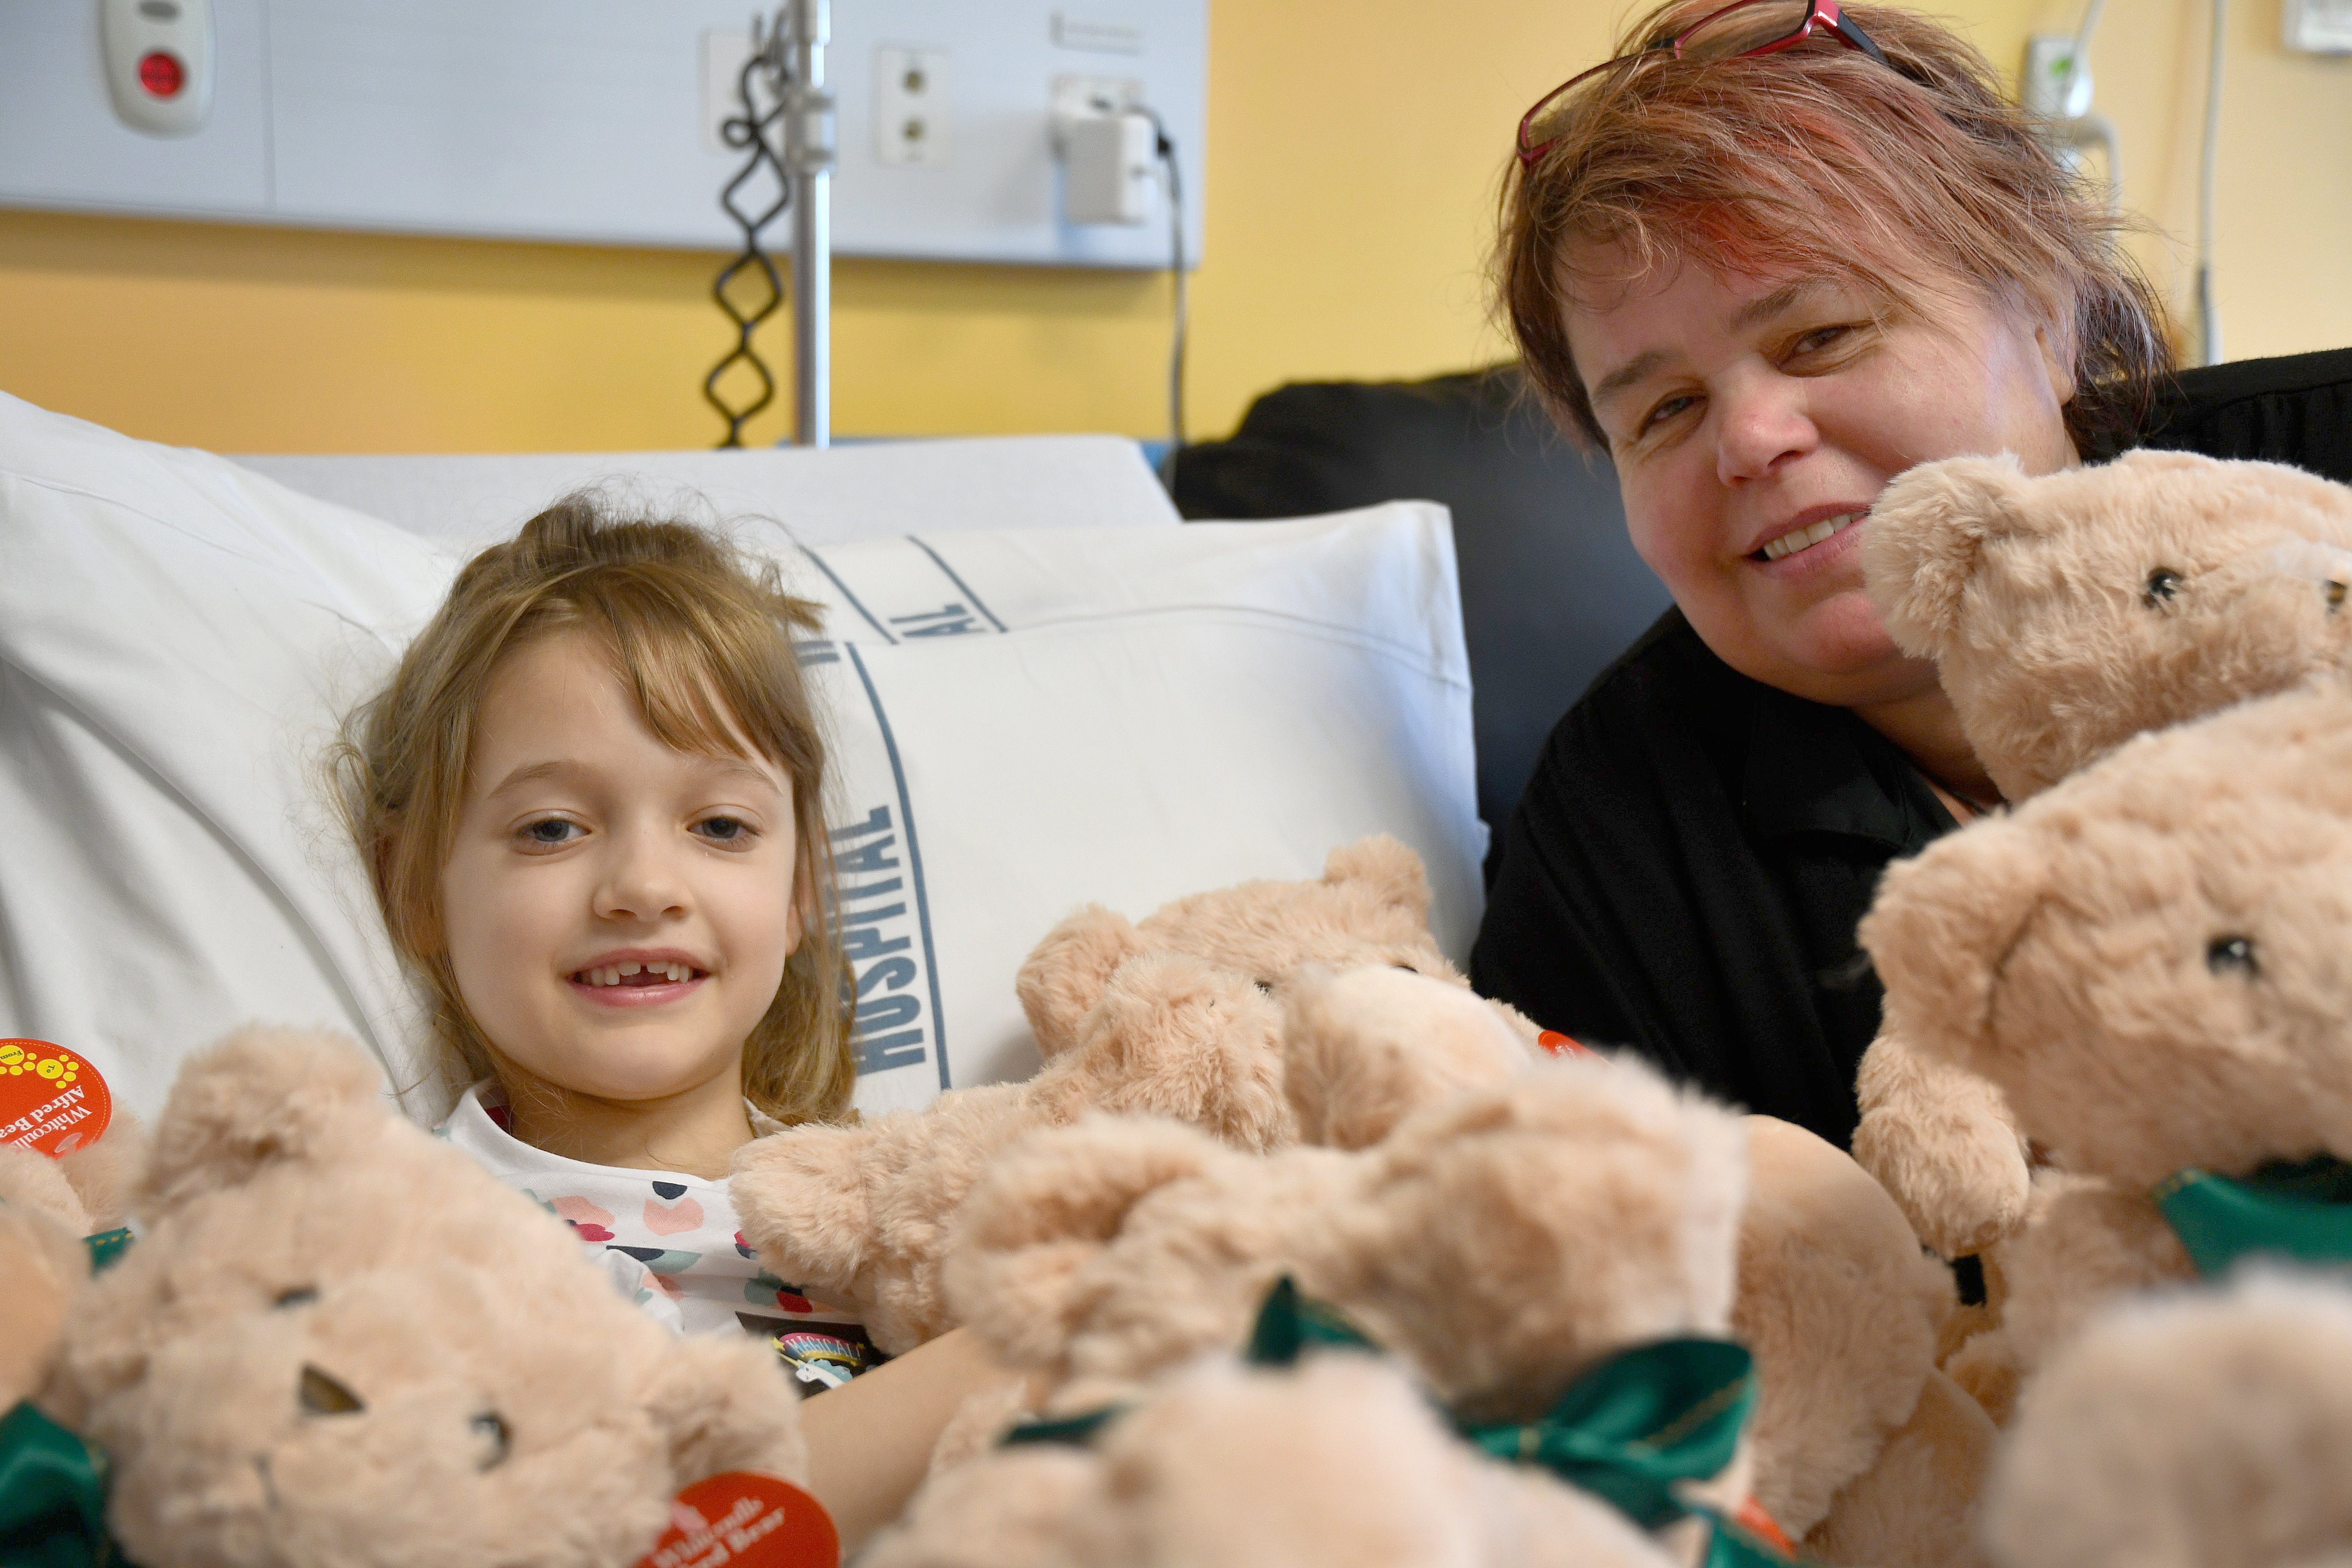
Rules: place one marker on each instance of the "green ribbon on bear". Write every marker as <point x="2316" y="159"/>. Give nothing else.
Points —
<point x="1629" y="1431"/>
<point x="2300" y="1209"/>
<point x="52" y="1496"/>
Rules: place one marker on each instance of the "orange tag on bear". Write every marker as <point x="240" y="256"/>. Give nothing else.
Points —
<point x="51" y="1101"/>
<point x="738" y="1520"/>
<point x="1559" y="1045"/>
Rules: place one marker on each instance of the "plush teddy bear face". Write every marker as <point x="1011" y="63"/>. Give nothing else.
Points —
<point x="2068" y="612"/>
<point x="2150" y="959"/>
<point x="338" y="1339"/>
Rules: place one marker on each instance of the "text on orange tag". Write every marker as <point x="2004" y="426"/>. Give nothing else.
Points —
<point x="738" y="1520"/>
<point x="51" y="1101"/>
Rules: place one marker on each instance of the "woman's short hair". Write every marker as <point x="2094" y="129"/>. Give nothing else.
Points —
<point x="702" y="640"/>
<point x="1819" y="161"/>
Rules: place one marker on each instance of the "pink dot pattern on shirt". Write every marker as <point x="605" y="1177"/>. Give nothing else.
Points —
<point x="590" y="1221"/>
<point x="673" y="1219"/>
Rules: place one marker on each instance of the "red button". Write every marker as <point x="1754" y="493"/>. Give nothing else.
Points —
<point x="161" y="74"/>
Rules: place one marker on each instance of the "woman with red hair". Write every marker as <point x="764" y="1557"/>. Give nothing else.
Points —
<point x="1766" y="260"/>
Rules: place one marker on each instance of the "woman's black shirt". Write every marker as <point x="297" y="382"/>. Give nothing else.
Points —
<point x="1684" y="873"/>
<point x="1685" y="870"/>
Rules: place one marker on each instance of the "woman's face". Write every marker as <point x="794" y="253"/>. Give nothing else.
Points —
<point x="1753" y="422"/>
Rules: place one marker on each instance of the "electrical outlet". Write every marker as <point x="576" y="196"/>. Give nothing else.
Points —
<point x="912" y="95"/>
<point x="1078" y="97"/>
<point x="2046" y="89"/>
<point x="2319" y="26"/>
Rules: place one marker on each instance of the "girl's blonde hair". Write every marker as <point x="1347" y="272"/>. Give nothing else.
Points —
<point x="704" y="642"/>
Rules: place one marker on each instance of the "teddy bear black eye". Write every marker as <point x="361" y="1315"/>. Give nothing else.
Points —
<point x="2232" y="952"/>
<point x="1265" y="985"/>
<point x="2162" y="583"/>
<point x="491" y="1427"/>
<point x="323" y="1395"/>
<point x="2335" y="596"/>
<point x="300" y="1295"/>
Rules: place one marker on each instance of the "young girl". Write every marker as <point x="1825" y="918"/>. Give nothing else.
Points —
<point x="589" y="801"/>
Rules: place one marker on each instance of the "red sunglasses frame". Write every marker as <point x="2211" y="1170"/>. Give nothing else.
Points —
<point x="1823" y="15"/>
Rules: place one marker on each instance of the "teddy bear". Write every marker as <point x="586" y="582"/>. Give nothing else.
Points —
<point x="51" y="1209"/>
<point x="1340" y="1459"/>
<point x="2146" y="960"/>
<point x="2067" y="614"/>
<point x="2188" y="1429"/>
<point x="1499" y="1235"/>
<point x="337" y="1340"/>
<point x="1178" y="1014"/>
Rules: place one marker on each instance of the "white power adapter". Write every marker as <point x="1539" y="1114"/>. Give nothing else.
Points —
<point x="1108" y="162"/>
<point x="159" y="62"/>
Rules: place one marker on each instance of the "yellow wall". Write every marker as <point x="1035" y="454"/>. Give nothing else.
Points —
<point x="1353" y="153"/>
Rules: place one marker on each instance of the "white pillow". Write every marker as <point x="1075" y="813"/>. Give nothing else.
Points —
<point x="1024" y="722"/>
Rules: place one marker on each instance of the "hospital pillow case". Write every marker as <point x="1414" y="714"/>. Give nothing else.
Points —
<point x="1023" y="721"/>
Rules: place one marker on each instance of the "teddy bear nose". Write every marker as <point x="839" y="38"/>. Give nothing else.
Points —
<point x="323" y="1395"/>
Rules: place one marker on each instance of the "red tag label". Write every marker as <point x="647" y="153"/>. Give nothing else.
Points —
<point x="738" y="1518"/>
<point x="51" y="1101"/>
<point x="1559" y="1045"/>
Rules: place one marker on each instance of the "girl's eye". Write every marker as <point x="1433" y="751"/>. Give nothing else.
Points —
<point x="548" y="832"/>
<point x="730" y="830"/>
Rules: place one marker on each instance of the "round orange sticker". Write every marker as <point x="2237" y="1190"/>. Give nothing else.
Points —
<point x="51" y="1101"/>
<point x="738" y="1520"/>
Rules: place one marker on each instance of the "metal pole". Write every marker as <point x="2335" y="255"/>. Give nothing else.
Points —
<point x="808" y="132"/>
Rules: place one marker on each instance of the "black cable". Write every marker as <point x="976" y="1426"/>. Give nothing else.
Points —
<point x="751" y="129"/>
<point x="1165" y="146"/>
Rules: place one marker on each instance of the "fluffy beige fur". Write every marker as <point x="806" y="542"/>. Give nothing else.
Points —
<point x="1516" y="1226"/>
<point x="2078" y="954"/>
<point x="2190" y="1430"/>
<point x="46" y="1206"/>
<point x="1340" y="1461"/>
<point x="339" y="1340"/>
<point x="2067" y="613"/>
<point x="1865" y="1453"/>
<point x="1500" y="1242"/>
<point x="1177" y="1016"/>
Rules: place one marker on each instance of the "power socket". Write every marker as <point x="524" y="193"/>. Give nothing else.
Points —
<point x="912" y="94"/>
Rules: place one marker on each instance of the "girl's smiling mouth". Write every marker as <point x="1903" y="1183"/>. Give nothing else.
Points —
<point x="640" y="978"/>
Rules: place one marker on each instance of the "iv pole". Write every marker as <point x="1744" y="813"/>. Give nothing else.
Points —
<point x="787" y="125"/>
<point x="808" y="162"/>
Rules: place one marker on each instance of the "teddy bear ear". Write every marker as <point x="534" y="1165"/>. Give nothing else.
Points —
<point x="1941" y="928"/>
<point x="259" y="1097"/>
<point x="1064" y="975"/>
<point x="1384" y="867"/>
<point x="1927" y="531"/>
<point x="1048" y="1207"/>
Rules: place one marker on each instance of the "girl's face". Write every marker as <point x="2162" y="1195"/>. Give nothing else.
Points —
<point x="1753" y="422"/>
<point x="617" y="913"/>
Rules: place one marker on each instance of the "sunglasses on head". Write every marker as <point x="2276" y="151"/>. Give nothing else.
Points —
<point x="1717" y="28"/>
